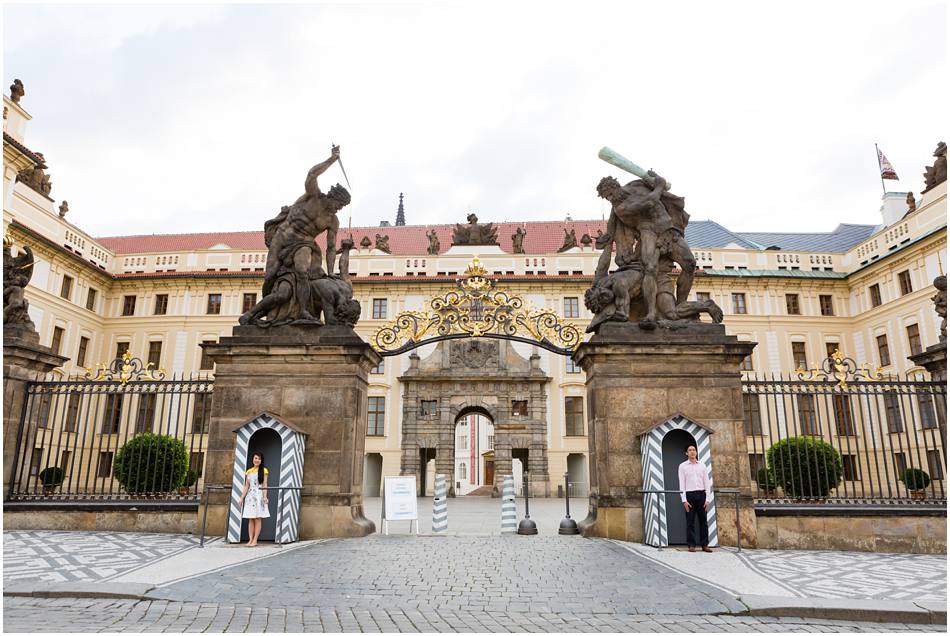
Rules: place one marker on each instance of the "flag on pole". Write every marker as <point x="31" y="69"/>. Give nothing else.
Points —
<point x="887" y="170"/>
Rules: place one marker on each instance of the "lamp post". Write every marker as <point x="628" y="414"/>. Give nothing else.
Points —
<point x="568" y="525"/>
<point x="527" y="526"/>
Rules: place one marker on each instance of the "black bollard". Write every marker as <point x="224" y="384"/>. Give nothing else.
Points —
<point x="568" y="525"/>
<point x="527" y="526"/>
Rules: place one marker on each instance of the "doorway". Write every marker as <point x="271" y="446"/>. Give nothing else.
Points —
<point x="474" y="464"/>
<point x="674" y="454"/>
<point x="267" y="442"/>
<point x="426" y="471"/>
<point x="372" y="474"/>
<point x="577" y="475"/>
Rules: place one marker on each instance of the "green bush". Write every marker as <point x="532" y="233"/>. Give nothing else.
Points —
<point x="54" y="476"/>
<point x="805" y="466"/>
<point x="191" y="478"/>
<point x="765" y="479"/>
<point x="151" y="463"/>
<point x="915" y="479"/>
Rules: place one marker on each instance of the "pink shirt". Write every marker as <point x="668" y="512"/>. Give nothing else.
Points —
<point x="694" y="476"/>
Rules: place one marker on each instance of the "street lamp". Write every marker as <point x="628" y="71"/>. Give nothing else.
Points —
<point x="568" y="525"/>
<point x="527" y="526"/>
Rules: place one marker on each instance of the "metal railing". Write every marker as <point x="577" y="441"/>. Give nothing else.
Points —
<point x="81" y="439"/>
<point x="280" y="501"/>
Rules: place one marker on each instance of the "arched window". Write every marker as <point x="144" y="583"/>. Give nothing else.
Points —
<point x="463" y="473"/>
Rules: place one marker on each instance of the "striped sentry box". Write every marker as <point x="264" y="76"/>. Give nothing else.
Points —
<point x="654" y="507"/>
<point x="291" y="475"/>
<point x="509" y="511"/>
<point x="440" y="507"/>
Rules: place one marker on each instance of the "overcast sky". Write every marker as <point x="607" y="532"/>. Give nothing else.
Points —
<point x="193" y="118"/>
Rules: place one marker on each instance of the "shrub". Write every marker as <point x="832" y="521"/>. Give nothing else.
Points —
<point x="151" y="463"/>
<point x="191" y="478"/>
<point x="913" y="478"/>
<point x="54" y="476"/>
<point x="805" y="466"/>
<point x="765" y="479"/>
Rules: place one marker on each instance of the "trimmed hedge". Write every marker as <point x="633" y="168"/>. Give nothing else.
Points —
<point x="52" y="476"/>
<point x="151" y="463"/>
<point x="915" y="479"/>
<point x="805" y="466"/>
<point x="765" y="479"/>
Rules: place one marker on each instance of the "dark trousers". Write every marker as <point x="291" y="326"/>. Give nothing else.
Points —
<point x="697" y="502"/>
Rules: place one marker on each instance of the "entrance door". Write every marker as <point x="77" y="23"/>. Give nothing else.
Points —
<point x="489" y="472"/>
<point x="674" y="445"/>
<point x="266" y="441"/>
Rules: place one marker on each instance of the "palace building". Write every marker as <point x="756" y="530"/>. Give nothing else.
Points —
<point x="862" y="289"/>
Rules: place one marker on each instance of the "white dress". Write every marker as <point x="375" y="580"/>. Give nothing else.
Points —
<point x="254" y="507"/>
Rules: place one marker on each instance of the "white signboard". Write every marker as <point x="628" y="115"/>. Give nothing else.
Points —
<point x="399" y="499"/>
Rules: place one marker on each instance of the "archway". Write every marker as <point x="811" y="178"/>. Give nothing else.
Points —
<point x="474" y="453"/>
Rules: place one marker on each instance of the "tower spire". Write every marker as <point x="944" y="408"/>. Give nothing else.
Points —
<point x="400" y="212"/>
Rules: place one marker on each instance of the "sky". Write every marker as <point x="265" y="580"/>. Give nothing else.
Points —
<point x="201" y="118"/>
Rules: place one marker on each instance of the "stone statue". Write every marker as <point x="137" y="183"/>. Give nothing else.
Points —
<point x="36" y="179"/>
<point x="570" y="240"/>
<point x="646" y="224"/>
<point x="586" y="240"/>
<point x="517" y="240"/>
<point x="475" y="233"/>
<point x="434" y="244"/>
<point x="911" y="203"/>
<point x="382" y="243"/>
<point x="16" y="91"/>
<point x="291" y="234"/>
<point x="937" y="173"/>
<point x="63" y="208"/>
<point x="940" y="304"/>
<point x="474" y="353"/>
<point x="365" y="243"/>
<point x="17" y="271"/>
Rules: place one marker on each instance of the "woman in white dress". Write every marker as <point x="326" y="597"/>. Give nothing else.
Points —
<point x="254" y="498"/>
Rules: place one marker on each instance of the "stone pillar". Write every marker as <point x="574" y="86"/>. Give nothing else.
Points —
<point x="316" y="379"/>
<point x="24" y="360"/>
<point x="934" y="359"/>
<point x="637" y="379"/>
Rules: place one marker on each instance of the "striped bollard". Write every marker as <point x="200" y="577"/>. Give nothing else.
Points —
<point x="440" y="509"/>
<point x="509" y="512"/>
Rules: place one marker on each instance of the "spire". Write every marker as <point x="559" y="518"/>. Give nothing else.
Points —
<point x="400" y="212"/>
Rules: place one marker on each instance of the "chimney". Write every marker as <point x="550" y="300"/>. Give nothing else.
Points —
<point x="893" y="207"/>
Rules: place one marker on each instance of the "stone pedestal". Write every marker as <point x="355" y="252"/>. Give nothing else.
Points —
<point x="637" y="379"/>
<point x="24" y="360"/>
<point x="316" y="379"/>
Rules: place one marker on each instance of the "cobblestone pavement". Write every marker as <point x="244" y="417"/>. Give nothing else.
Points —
<point x="90" y="615"/>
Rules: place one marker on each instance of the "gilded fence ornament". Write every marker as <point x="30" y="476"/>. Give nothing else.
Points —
<point x="837" y="367"/>
<point x="123" y="370"/>
<point x="477" y="309"/>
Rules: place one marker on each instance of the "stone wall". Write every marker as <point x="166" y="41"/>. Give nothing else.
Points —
<point x="172" y="521"/>
<point x="883" y="533"/>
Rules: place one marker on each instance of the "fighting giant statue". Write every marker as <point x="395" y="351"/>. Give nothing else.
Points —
<point x="646" y="229"/>
<point x="17" y="271"/>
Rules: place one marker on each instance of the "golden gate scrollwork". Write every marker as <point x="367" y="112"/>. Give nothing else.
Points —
<point x="477" y="309"/>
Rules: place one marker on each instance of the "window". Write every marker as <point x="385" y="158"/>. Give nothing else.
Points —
<point x="36" y="460"/>
<point x="875" y="291"/>
<point x="831" y="347"/>
<point x="574" y="415"/>
<point x="753" y="416"/>
<point x="196" y="463"/>
<point x="807" y="418"/>
<point x="91" y="299"/>
<point x="380" y="368"/>
<point x="571" y="366"/>
<point x="428" y="408"/>
<point x="461" y="442"/>
<point x="155" y="353"/>
<point x="214" y="303"/>
<point x="248" y="303"/>
<point x="121" y="348"/>
<point x="851" y="469"/>
<point x="925" y="403"/>
<point x="702" y="296"/>
<point x="571" y="308"/>
<point x="756" y="463"/>
<point x="112" y="414"/>
<point x="81" y="354"/>
<point x="900" y="463"/>
<point x="72" y="412"/>
<point x="903" y="279"/>
<point x="746" y="364"/>
<point x="798" y="355"/>
<point x="145" y="413"/>
<point x="128" y="305"/>
<point x="64" y="458"/>
<point x="738" y="304"/>
<point x="104" y="469"/>
<point x="892" y="412"/>
<point x="463" y="471"/>
<point x="379" y="309"/>
<point x="791" y="305"/>
<point x="206" y="363"/>
<point x="161" y="304"/>
<point x="827" y="305"/>
<point x="844" y="420"/>
<point x="376" y="416"/>
<point x="519" y="408"/>
<point x="201" y="413"/>
<point x="57" y="340"/>
<point x="491" y="442"/>
<point x="883" y="350"/>
<point x="43" y="410"/>
<point x="66" y="291"/>
<point x="913" y="338"/>
<point x="935" y="465"/>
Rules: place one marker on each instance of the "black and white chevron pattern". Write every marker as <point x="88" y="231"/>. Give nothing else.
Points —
<point x="291" y="475"/>
<point x="654" y="507"/>
<point x="440" y="510"/>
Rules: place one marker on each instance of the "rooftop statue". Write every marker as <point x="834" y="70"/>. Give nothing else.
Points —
<point x="37" y="179"/>
<point x="16" y="91"/>
<point x="17" y="271"/>
<point x="63" y="208"/>
<point x="570" y="240"/>
<point x="937" y="173"/>
<point x="382" y="243"/>
<point x="434" y="245"/>
<point x="517" y="240"/>
<point x="475" y="233"/>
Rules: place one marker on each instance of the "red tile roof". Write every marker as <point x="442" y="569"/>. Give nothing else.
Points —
<point x="544" y="237"/>
<point x="35" y="157"/>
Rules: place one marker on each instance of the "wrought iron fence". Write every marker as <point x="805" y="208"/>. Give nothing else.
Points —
<point x="124" y="432"/>
<point x="845" y="434"/>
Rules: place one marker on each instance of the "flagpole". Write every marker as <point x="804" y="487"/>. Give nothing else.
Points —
<point x="880" y="172"/>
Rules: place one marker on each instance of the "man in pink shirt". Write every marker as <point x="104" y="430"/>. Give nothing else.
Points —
<point x="696" y="494"/>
